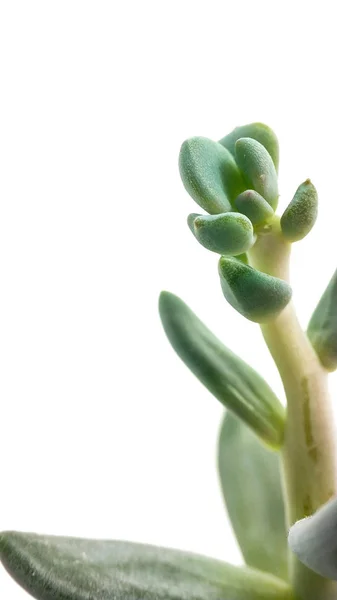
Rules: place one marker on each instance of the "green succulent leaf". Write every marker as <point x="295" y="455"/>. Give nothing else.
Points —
<point x="228" y="233"/>
<point x="322" y="329"/>
<point x="236" y="385"/>
<point x="258" y="168"/>
<point x="254" y="206"/>
<point x="259" y="132"/>
<point x="314" y="540"/>
<point x="251" y="484"/>
<point x="210" y="174"/>
<point x="301" y="214"/>
<point x="257" y="296"/>
<point x="60" y="568"/>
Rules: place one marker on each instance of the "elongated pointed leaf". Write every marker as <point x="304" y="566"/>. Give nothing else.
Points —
<point x="314" y="540"/>
<point x="322" y="329"/>
<point x="236" y="385"/>
<point x="251" y="484"/>
<point x="257" y="296"/>
<point x="59" y="568"/>
<point x="210" y="174"/>
<point x="259" y="132"/>
<point x="258" y="168"/>
<point x="300" y="215"/>
<point x="229" y="233"/>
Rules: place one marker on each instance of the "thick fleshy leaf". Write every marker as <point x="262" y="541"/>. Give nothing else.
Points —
<point x="254" y="206"/>
<point x="234" y="383"/>
<point x="210" y="174"/>
<point x="301" y="214"/>
<point x="259" y="132"/>
<point x="251" y="484"/>
<point x="314" y="540"/>
<point x="60" y="568"/>
<point x="322" y="329"/>
<point x="258" y="168"/>
<point x="257" y="296"/>
<point x="228" y="233"/>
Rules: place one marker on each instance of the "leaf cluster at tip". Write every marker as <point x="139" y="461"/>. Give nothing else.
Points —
<point x="215" y="174"/>
<point x="235" y="181"/>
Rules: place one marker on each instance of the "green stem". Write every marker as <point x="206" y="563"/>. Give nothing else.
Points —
<point x="308" y="453"/>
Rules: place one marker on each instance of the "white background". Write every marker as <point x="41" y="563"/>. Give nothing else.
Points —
<point x="104" y="433"/>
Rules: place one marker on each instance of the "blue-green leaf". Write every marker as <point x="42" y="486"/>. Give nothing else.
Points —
<point x="60" y="568"/>
<point x="259" y="132"/>
<point x="210" y="174"/>
<point x="314" y="540"/>
<point x="254" y="206"/>
<point x="228" y="233"/>
<point x="236" y="385"/>
<point x="258" y="168"/>
<point x="322" y="329"/>
<point x="257" y="296"/>
<point x="300" y="215"/>
<point x="251" y="483"/>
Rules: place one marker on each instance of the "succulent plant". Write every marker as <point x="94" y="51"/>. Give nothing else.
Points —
<point x="277" y="466"/>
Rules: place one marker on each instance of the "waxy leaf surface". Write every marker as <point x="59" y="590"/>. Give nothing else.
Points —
<point x="300" y="215"/>
<point x="255" y="295"/>
<point x="210" y="174"/>
<point x="258" y="168"/>
<point x="251" y="484"/>
<point x="322" y="329"/>
<point x="228" y="233"/>
<point x="259" y="132"/>
<point x="254" y="206"/>
<point x="59" y="568"/>
<point x="234" y="383"/>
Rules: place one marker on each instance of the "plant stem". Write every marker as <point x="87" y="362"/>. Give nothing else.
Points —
<point x="308" y="453"/>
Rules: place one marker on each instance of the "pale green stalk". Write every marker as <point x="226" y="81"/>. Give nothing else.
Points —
<point x="308" y="453"/>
